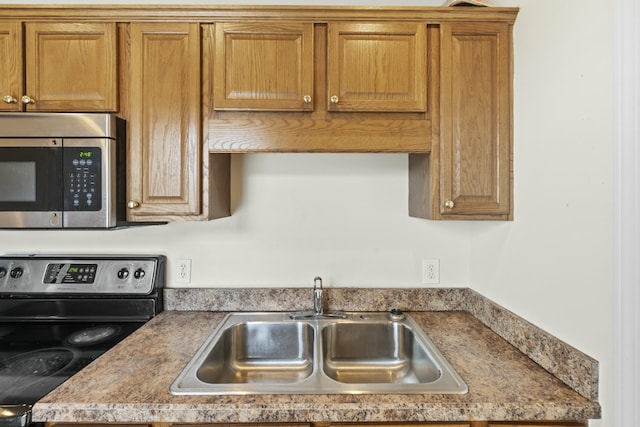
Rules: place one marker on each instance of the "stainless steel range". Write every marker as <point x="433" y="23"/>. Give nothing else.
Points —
<point x="59" y="313"/>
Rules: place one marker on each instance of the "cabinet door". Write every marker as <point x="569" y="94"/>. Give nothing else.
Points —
<point x="164" y="156"/>
<point x="71" y="66"/>
<point x="11" y="73"/>
<point x="476" y="140"/>
<point x="538" y="424"/>
<point x="377" y="67"/>
<point x="264" y="66"/>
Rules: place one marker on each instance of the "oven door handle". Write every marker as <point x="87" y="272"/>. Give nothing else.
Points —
<point x="15" y="415"/>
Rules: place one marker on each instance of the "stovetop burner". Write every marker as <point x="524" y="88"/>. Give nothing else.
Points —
<point x="93" y="335"/>
<point x="38" y="363"/>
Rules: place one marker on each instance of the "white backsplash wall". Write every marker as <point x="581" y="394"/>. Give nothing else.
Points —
<point x="344" y="217"/>
<point x="341" y="216"/>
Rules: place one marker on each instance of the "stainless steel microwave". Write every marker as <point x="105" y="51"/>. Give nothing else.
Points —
<point x="61" y="170"/>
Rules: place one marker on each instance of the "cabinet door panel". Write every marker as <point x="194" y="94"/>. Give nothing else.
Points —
<point x="264" y="66"/>
<point x="11" y="73"/>
<point x="377" y="67"/>
<point x="164" y="125"/>
<point x="476" y="119"/>
<point x="538" y="424"/>
<point x="71" y="67"/>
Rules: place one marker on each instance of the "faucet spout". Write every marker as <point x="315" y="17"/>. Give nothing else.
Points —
<point x="318" y="307"/>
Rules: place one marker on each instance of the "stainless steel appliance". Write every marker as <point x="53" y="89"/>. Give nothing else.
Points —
<point x="59" y="313"/>
<point x="61" y="170"/>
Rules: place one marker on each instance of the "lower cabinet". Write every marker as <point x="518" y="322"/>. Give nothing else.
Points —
<point x="543" y="424"/>
<point x="319" y="424"/>
<point x="100" y="425"/>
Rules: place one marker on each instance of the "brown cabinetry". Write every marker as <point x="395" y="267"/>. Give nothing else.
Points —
<point x="432" y="82"/>
<point x="264" y="66"/>
<point x="62" y="67"/>
<point x="468" y="174"/>
<point x="538" y="424"/>
<point x="377" y="67"/>
<point x="167" y="167"/>
<point x="164" y="120"/>
<point x="369" y="67"/>
<point x="321" y="87"/>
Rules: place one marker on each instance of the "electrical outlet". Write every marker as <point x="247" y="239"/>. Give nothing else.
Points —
<point x="431" y="270"/>
<point x="183" y="270"/>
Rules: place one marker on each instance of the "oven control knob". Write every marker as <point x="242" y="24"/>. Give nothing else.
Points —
<point x="139" y="274"/>
<point x="123" y="273"/>
<point x="3" y="272"/>
<point x="16" y="273"/>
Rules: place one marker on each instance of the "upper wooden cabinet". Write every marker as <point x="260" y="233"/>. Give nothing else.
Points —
<point x="198" y="83"/>
<point x="369" y="67"/>
<point x="475" y="155"/>
<point x="340" y="86"/>
<point x="63" y="66"/>
<point x="468" y="174"/>
<point x="164" y="156"/>
<point x="377" y="67"/>
<point x="264" y="66"/>
<point x="170" y="172"/>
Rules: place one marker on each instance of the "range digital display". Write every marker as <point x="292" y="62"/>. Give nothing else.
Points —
<point x="70" y="273"/>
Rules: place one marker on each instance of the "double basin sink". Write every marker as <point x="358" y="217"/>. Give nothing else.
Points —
<point x="277" y="353"/>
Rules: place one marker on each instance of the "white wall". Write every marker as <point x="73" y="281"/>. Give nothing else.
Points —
<point x="345" y="216"/>
<point x="554" y="264"/>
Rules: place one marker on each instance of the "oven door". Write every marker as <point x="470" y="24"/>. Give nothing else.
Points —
<point x="15" y="415"/>
<point x="31" y="183"/>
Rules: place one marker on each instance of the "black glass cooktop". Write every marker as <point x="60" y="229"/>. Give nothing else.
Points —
<point x="36" y="357"/>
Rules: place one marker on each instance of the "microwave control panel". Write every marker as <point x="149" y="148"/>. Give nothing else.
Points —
<point x="82" y="178"/>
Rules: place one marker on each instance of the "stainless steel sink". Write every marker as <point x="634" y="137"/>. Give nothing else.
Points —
<point x="260" y="353"/>
<point x="371" y="353"/>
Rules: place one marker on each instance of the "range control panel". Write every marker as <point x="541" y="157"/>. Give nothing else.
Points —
<point x="78" y="275"/>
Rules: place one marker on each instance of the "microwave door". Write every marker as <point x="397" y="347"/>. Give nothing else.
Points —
<point x="30" y="187"/>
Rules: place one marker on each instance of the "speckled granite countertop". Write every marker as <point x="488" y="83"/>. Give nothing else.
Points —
<point x="492" y="349"/>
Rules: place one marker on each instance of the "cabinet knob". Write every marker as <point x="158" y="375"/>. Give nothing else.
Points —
<point x="8" y="99"/>
<point x="306" y="99"/>
<point x="449" y="204"/>
<point x="334" y="99"/>
<point x="131" y="204"/>
<point x="28" y="100"/>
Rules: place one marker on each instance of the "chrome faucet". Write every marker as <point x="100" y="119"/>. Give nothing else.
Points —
<point x="318" y="308"/>
<point x="318" y="305"/>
